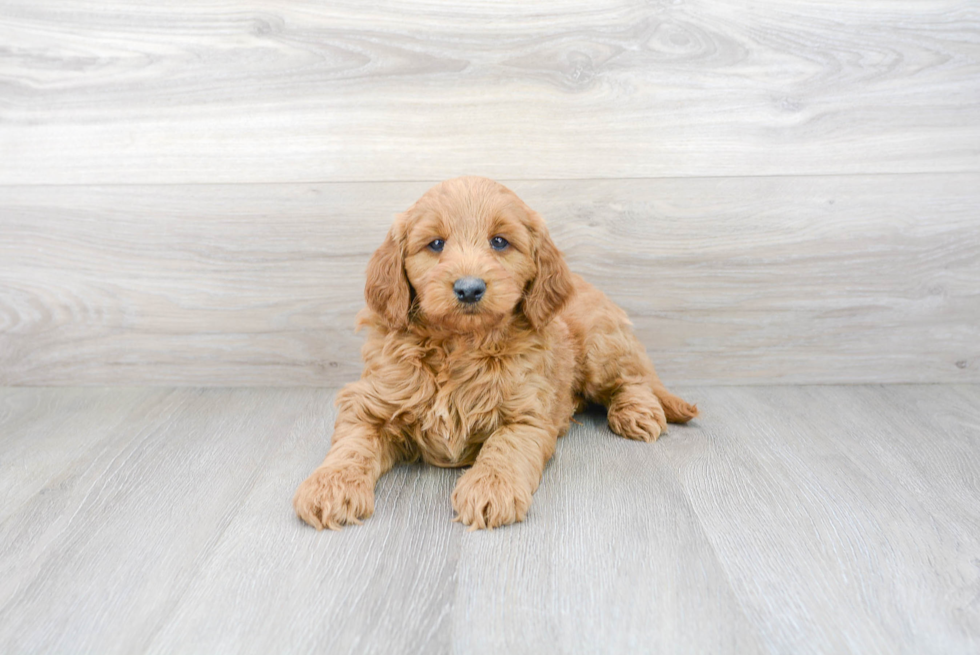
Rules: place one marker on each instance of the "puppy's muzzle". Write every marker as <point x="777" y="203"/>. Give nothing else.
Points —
<point x="469" y="290"/>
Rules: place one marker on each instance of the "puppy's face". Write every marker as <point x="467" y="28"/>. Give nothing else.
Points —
<point x="466" y="257"/>
<point x="468" y="254"/>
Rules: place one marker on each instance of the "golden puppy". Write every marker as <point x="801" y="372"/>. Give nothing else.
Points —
<point x="482" y="345"/>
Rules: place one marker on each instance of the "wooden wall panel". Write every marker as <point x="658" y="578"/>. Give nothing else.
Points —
<point x="113" y="91"/>
<point x="776" y="191"/>
<point x="729" y="280"/>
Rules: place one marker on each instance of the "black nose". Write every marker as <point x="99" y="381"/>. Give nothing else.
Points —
<point x="469" y="289"/>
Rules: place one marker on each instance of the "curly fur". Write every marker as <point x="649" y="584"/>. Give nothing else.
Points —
<point x="492" y="385"/>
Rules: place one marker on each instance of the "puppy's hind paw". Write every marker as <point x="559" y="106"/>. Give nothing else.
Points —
<point x="640" y="418"/>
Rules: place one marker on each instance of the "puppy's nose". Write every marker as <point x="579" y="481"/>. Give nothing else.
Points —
<point x="469" y="289"/>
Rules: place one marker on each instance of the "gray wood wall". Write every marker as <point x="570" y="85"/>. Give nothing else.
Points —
<point x="775" y="191"/>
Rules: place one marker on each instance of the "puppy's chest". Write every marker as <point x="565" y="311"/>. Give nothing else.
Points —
<point x="467" y="401"/>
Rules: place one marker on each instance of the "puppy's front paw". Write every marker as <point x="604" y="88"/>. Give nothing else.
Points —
<point x="333" y="497"/>
<point x="485" y="498"/>
<point x="641" y="418"/>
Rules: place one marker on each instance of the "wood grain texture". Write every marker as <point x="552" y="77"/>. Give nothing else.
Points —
<point x="728" y="280"/>
<point x="127" y="526"/>
<point x="47" y="434"/>
<point x="123" y="92"/>
<point x="886" y="540"/>
<point x="786" y="519"/>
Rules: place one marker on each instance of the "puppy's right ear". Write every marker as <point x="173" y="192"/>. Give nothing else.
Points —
<point x="387" y="290"/>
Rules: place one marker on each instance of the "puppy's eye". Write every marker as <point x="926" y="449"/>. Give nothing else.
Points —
<point x="437" y="245"/>
<point x="498" y="243"/>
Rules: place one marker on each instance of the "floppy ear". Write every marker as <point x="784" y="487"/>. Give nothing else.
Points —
<point x="387" y="290"/>
<point x="551" y="286"/>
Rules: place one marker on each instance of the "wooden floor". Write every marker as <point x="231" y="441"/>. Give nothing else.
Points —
<point x="791" y="519"/>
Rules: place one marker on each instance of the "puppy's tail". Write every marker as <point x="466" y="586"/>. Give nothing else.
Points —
<point x="675" y="409"/>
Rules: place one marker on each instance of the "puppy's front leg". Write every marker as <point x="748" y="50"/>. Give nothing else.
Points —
<point x="341" y="490"/>
<point x="498" y="489"/>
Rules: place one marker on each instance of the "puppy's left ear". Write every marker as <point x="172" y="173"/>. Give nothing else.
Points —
<point x="552" y="286"/>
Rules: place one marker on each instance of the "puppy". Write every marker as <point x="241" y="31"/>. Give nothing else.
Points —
<point x="481" y="345"/>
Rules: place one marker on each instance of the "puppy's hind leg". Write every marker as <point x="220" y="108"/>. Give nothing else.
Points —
<point x="616" y="371"/>
<point x="639" y="404"/>
<point x="635" y="412"/>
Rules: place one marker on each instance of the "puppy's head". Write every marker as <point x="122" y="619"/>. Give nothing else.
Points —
<point x="466" y="257"/>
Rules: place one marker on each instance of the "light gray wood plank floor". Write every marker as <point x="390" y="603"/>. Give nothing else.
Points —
<point x="785" y="520"/>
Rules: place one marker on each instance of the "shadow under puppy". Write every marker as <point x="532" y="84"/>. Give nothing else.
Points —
<point x="481" y="346"/>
